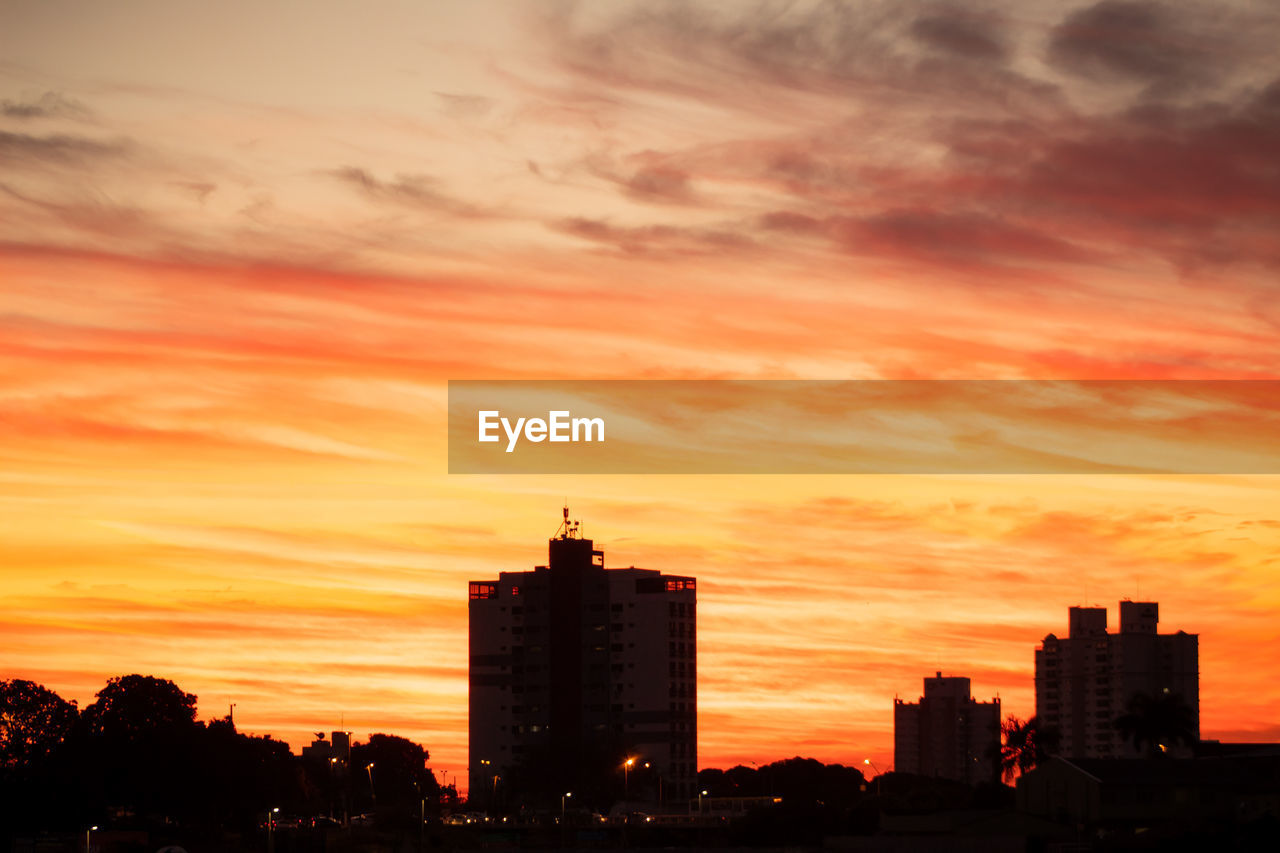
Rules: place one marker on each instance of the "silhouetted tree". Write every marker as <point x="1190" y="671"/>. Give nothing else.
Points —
<point x="139" y="747"/>
<point x="39" y="783"/>
<point x="1157" y="722"/>
<point x="237" y="777"/>
<point x="1026" y="744"/>
<point x="34" y="723"/>
<point x="797" y="780"/>
<point x="138" y="758"/>
<point x="133" y="706"/>
<point x="401" y="778"/>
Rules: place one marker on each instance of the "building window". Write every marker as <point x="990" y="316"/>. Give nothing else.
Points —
<point x="483" y="591"/>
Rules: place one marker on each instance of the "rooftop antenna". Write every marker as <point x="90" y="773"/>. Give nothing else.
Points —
<point x="568" y="529"/>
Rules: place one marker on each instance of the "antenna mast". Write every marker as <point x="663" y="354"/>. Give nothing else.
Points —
<point x="568" y="529"/>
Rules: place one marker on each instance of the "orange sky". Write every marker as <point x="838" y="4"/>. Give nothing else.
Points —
<point x="242" y="249"/>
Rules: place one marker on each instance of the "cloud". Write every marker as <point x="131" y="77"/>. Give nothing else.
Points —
<point x="199" y="190"/>
<point x="416" y="191"/>
<point x="655" y="239"/>
<point x="961" y="34"/>
<point x="48" y="105"/>
<point x="1195" y="184"/>
<point x="660" y="184"/>
<point x="60" y="149"/>
<point x="465" y="106"/>
<point x="1170" y="48"/>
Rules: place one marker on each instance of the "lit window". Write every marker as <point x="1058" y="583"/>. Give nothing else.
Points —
<point x="483" y="591"/>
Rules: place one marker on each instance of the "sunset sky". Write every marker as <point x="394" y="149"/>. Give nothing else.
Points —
<point x="243" y="247"/>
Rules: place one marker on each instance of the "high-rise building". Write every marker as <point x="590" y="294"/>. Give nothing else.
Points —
<point x="575" y="669"/>
<point x="1086" y="680"/>
<point x="948" y="733"/>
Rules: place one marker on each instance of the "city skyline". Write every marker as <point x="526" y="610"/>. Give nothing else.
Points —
<point x="245" y="248"/>
<point x="1142" y="619"/>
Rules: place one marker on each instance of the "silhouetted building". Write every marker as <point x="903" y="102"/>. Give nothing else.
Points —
<point x="1085" y="681"/>
<point x="948" y="733"/>
<point x="338" y="749"/>
<point x="573" y="669"/>
<point x="1166" y="793"/>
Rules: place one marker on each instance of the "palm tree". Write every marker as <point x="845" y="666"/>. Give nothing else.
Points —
<point x="1027" y="744"/>
<point x="1157" y="722"/>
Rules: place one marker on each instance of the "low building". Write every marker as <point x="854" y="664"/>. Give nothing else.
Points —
<point x="1153" y="793"/>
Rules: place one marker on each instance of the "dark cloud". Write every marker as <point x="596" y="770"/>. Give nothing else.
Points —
<point x="416" y="191"/>
<point x="953" y="238"/>
<point x="740" y="55"/>
<point x="970" y="241"/>
<point x="660" y="184"/>
<point x="795" y="223"/>
<point x="1137" y="41"/>
<point x="48" y="105"/>
<point x="961" y="35"/>
<point x="92" y="214"/>
<point x="655" y="239"/>
<point x="1196" y="184"/>
<point x="656" y="44"/>
<point x="62" y="149"/>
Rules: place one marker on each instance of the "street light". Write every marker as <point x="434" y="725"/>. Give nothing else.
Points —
<point x="626" y="768"/>
<point x="566" y="795"/>
<point x="87" y="833"/>
<point x="271" y="825"/>
<point x="372" y="792"/>
<point x="867" y="762"/>
<point x="701" y="794"/>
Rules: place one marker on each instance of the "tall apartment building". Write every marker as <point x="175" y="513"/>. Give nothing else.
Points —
<point x="1085" y="680"/>
<point x="948" y="733"/>
<point x="574" y="669"/>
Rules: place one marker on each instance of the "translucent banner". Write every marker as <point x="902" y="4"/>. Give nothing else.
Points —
<point x="864" y="427"/>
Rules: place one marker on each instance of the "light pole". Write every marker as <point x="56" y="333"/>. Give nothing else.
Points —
<point x="626" y="783"/>
<point x="333" y="787"/>
<point x="422" y="824"/>
<point x="701" y="794"/>
<point x="271" y="827"/>
<point x="372" y="792"/>
<point x="493" y="786"/>
<point x="867" y="762"/>
<point x="88" y="833"/>
<point x="564" y="831"/>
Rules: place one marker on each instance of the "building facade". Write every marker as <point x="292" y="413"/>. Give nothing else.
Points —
<point x="948" y="733"/>
<point x="1086" y="680"/>
<point x="576" y="669"/>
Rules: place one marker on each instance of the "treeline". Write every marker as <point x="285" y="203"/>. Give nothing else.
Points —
<point x="137" y="757"/>
<point x="816" y="800"/>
